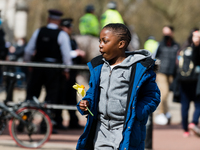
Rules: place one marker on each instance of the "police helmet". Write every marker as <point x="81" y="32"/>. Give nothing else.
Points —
<point x="67" y="22"/>
<point x="55" y="14"/>
<point x="89" y="8"/>
<point x="112" y="5"/>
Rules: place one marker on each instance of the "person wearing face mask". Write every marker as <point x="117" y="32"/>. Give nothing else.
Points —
<point x="166" y="53"/>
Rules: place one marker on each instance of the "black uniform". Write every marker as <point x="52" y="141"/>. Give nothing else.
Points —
<point x="46" y="48"/>
<point x="68" y="94"/>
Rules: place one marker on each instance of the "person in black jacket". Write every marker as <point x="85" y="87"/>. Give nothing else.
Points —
<point x="196" y="54"/>
<point x="196" y="46"/>
<point x="185" y="86"/>
<point x="166" y="53"/>
<point x="67" y="93"/>
<point x="49" y="45"/>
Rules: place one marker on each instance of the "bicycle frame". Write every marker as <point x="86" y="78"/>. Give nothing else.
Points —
<point x="22" y="115"/>
<point x="11" y="112"/>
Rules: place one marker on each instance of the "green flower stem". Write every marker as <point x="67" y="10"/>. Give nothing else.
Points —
<point x="89" y="111"/>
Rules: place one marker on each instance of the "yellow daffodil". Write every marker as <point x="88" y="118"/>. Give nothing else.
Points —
<point x="81" y="91"/>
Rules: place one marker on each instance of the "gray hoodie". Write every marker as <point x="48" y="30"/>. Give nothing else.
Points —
<point x="114" y="87"/>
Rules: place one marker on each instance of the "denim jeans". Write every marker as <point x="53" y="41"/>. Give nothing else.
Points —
<point x="188" y="94"/>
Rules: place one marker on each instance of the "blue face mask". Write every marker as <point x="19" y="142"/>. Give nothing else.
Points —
<point x="0" y="22"/>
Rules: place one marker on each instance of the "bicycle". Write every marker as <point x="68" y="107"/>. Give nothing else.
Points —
<point x="29" y="125"/>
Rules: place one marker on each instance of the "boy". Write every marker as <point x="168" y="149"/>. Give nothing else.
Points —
<point x="122" y="94"/>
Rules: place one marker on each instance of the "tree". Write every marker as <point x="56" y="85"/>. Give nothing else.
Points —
<point x="147" y="16"/>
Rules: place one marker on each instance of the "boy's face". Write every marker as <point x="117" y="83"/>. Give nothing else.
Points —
<point x="110" y="45"/>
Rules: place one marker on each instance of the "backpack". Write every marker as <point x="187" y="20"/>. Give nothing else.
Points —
<point x="187" y="71"/>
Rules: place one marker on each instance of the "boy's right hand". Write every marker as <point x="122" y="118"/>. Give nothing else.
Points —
<point x="83" y="104"/>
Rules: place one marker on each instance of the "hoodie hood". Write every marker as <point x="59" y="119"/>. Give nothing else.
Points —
<point x="133" y="57"/>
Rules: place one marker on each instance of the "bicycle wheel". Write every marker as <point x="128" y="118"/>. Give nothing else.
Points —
<point x="36" y="133"/>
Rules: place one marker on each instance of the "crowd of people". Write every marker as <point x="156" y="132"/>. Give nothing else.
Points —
<point x="130" y="100"/>
<point x="179" y="73"/>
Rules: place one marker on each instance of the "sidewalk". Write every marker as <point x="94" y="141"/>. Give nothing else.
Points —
<point x="170" y="138"/>
<point x="164" y="137"/>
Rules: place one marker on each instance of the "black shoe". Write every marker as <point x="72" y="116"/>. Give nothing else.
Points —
<point x="54" y="131"/>
<point x="76" y="127"/>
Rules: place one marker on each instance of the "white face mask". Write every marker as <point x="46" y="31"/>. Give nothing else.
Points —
<point x="20" y="42"/>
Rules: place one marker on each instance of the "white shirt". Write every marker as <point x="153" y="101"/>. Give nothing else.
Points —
<point x="112" y="66"/>
<point x="63" y="41"/>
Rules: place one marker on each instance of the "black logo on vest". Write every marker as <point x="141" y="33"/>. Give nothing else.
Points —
<point x="122" y="75"/>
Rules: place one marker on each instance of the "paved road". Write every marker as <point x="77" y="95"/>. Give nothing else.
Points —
<point x="65" y="140"/>
<point x="164" y="137"/>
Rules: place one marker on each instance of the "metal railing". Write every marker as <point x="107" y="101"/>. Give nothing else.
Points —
<point x="47" y="65"/>
<point x="43" y="65"/>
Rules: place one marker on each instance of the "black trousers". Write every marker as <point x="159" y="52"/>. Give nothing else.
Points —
<point x="188" y="94"/>
<point x="67" y="95"/>
<point x="49" y="78"/>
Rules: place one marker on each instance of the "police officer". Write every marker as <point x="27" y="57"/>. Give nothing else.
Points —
<point x="89" y="24"/>
<point x="67" y="93"/>
<point x="48" y="44"/>
<point x="111" y="15"/>
<point x="151" y="45"/>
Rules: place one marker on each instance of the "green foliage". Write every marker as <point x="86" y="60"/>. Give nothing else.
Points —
<point x="147" y="16"/>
